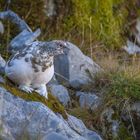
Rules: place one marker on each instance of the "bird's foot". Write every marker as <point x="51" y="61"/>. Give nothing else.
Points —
<point x="26" y="88"/>
<point x="42" y="90"/>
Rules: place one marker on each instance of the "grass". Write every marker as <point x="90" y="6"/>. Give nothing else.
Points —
<point x="119" y="78"/>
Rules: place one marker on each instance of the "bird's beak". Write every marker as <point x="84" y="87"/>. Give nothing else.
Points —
<point x="66" y="45"/>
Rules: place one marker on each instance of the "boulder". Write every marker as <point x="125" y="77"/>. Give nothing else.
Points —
<point x="50" y="8"/>
<point x="131" y="48"/>
<point x="2" y="65"/>
<point x="1" y="28"/>
<point x="136" y="32"/>
<point x="74" y="68"/>
<point x="54" y="136"/>
<point x="80" y="128"/>
<point x="5" y="132"/>
<point x="110" y="124"/>
<point x="60" y="92"/>
<point x="33" y="120"/>
<point x="88" y="100"/>
<point x="23" y="40"/>
<point x="131" y="117"/>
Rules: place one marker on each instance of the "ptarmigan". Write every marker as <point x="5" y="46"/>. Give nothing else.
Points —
<point x="32" y="68"/>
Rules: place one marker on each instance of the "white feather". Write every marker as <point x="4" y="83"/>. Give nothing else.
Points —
<point x="23" y="74"/>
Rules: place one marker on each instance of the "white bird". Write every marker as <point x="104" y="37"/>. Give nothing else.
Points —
<point x="33" y="67"/>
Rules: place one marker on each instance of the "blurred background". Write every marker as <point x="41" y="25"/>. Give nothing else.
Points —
<point x="90" y="24"/>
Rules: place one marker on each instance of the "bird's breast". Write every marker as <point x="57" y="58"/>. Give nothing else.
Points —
<point x="43" y="77"/>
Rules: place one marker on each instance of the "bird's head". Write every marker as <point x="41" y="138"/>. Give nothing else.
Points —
<point x="57" y="47"/>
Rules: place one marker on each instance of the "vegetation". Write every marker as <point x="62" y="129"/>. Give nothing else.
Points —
<point x="86" y="23"/>
<point x="119" y="86"/>
<point x="120" y="79"/>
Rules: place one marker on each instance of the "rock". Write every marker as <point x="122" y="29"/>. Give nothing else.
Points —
<point x="136" y="32"/>
<point x="54" y="136"/>
<point x="131" y="117"/>
<point x="131" y="48"/>
<point x="50" y="8"/>
<point x="133" y="45"/>
<point x="5" y="132"/>
<point x="2" y="65"/>
<point x="33" y="120"/>
<point x="75" y="67"/>
<point x="1" y="28"/>
<point x="56" y="10"/>
<point x="80" y="128"/>
<point x="2" y="80"/>
<point x="135" y="112"/>
<point x="61" y="93"/>
<point x="88" y="100"/>
<point x="22" y="40"/>
<point x="110" y="126"/>
<point x="136" y="108"/>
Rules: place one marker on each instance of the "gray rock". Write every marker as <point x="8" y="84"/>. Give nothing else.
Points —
<point x="110" y="125"/>
<point x="134" y="47"/>
<point x="88" y="100"/>
<point x="131" y="116"/>
<point x="61" y="93"/>
<point x="131" y="48"/>
<point x="136" y="32"/>
<point x="1" y="28"/>
<point x="2" y="65"/>
<point x="22" y="40"/>
<point x="50" y="8"/>
<point x="135" y="114"/>
<point x="80" y="128"/>
<point x="75" y="67"/>
<point x="136" y="108"/>
<point x="5" y="132"/>
<point x="54" y="136"/>
<point x="33" y="120"/>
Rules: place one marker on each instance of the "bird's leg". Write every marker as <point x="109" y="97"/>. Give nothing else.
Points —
<point x="26" y="88"/>
<point x="42" y="90"/>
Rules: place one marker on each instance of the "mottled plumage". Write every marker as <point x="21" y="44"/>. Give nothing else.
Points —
<point x="32" y="68"/>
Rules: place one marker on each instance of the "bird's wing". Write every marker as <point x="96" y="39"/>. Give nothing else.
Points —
<point x="40" y="57"/>
<point x="34" y="54"/>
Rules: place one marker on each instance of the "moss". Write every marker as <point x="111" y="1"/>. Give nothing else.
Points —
<point x="52" y="102"/>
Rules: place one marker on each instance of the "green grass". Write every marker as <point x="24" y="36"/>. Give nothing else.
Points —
<point x="119" y="84"/>
<point x="124" y="85"/>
